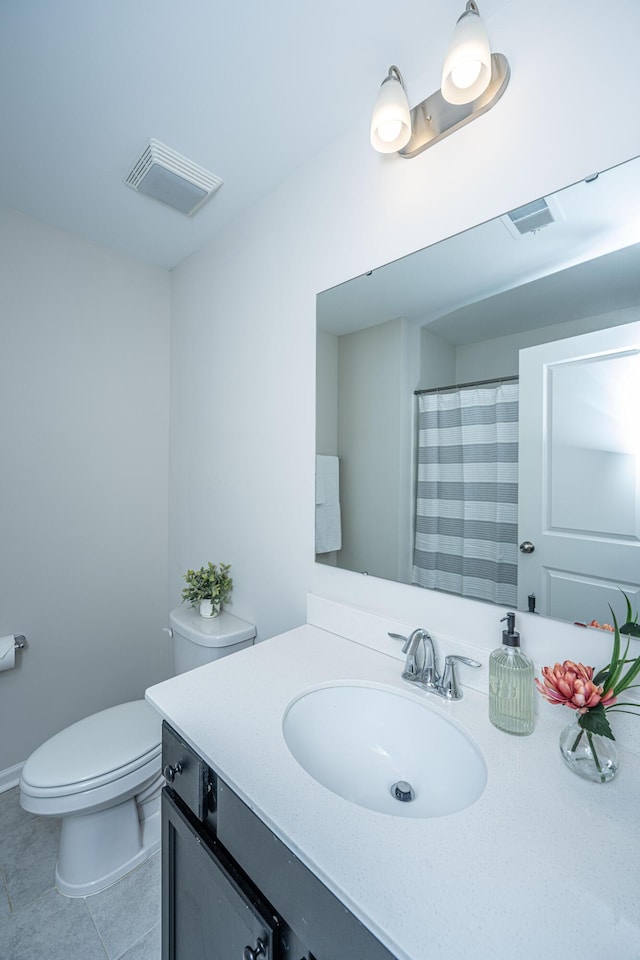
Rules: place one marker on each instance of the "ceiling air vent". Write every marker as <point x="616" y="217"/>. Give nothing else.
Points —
<point x="530" y="218"/>
<point x="167" y="176"/>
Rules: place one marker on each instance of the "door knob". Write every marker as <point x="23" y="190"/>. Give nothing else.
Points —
<point x="260" y="950"/>
<point x="527" y="547"/>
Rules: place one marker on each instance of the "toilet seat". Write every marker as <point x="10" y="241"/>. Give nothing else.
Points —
<point x="114" y="752"/>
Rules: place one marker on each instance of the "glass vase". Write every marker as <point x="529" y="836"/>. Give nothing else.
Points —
<point x="589" y="755"/>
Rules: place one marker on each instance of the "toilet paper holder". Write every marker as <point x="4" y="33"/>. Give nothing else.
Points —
<point x="20" y="642"/>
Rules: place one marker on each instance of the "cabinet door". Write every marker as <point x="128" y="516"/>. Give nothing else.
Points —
<point x="209" y="911"/>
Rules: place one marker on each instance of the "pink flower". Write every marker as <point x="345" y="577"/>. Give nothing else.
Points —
<point x="572" y="684"/>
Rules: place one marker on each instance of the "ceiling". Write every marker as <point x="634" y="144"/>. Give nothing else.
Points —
<point x="247" y="90"/>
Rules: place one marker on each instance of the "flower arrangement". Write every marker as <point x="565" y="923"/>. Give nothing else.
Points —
<point x="593" y="696"/>
<point x="601" y="626"/>
<point x="208" y="583"/>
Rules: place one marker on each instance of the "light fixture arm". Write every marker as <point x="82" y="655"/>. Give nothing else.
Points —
<point x="394" y="73"/>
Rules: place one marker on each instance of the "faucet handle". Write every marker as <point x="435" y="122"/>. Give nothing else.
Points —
<point x="449" y="685"/>
<point x="405" y="640"/>
<point x="410" y="647"/>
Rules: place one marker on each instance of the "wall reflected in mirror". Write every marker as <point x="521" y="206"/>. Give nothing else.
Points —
<point x="483" y="394"/>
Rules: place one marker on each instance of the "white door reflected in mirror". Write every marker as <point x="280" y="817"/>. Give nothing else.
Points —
<point x="579" y="485"/>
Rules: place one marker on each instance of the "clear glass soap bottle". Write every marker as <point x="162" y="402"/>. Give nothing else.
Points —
<point x="511" y="687"/>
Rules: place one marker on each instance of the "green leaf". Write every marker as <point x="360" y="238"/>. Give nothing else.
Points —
<point x="617" y="707"/>
<point x="631" y="616"/>
<point x="632" y="673"/>
<point x="601" y="678"/>
<point x="616" y="664"/>
<point x="595" y="721"/>
<point x="631" y="627"/>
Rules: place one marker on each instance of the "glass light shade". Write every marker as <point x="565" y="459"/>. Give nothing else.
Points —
<point x="467" y="68"/>
<point x="391" y="120"/>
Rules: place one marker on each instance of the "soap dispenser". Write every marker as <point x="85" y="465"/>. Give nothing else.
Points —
<point x="511" y="687"/>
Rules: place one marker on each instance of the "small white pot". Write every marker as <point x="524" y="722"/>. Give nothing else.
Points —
<point x="210" y="608"/>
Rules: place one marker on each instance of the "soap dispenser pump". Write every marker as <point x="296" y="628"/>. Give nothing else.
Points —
<point x="511" y="687"/>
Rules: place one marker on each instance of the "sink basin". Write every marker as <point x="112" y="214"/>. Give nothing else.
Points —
<point x="361" y="741"/>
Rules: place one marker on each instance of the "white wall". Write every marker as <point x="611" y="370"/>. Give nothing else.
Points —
<point x="370" y="388"/>
<point x="437" y="361"/>
<point x="243" y="308"/>
<point x="327" y="408"/>
<point x="83" y="487"/>
<point x="327" y="394"/>
<point x="500" y="357"/>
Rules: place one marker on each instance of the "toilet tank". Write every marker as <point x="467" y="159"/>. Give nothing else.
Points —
<point x="196" y="640"/>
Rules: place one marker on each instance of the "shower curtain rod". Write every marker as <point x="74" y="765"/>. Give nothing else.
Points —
<point x="463" y="386"/>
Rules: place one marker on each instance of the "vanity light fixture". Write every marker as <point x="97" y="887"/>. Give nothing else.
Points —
<point x="391" y="121"/>
<point x="467" y="67"/>
<point x="473" y="80"/>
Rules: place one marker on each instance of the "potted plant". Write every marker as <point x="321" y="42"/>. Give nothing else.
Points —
<point x="208" y="588"/>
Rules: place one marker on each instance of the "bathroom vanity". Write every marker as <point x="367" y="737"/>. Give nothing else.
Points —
<point x="231" y="888"/>
<point x="539" y="859"/>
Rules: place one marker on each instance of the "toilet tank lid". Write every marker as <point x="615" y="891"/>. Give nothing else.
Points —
<point x="221" y="631"/>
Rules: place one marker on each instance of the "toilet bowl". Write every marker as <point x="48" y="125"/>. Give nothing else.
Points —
<point x="92" y="775"/>
<point x="102" y="775"/>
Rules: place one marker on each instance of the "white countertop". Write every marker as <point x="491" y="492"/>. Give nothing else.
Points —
<point x="543" y="864"/>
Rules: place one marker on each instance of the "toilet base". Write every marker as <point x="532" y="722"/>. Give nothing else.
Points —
<point x="98" y="849"/>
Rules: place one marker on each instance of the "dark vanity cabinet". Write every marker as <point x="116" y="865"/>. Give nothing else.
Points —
<point x="212" y="911"/>
<point x="231" y="890"/>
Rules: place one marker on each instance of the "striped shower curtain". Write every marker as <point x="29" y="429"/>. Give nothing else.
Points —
<point x="467" y="492"/>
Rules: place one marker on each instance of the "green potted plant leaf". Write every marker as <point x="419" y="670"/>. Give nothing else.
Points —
<point x="631" y="628"/>
<point x="208" y="588"/>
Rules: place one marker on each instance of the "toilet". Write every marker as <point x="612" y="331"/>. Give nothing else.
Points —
<point x="102" y="775"/>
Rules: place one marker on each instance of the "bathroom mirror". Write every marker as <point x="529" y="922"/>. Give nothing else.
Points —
<point x="538" y="311"/>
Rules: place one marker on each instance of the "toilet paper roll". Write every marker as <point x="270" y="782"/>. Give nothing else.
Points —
<point x="7" y="652"/>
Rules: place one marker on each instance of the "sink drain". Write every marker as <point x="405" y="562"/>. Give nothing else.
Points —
<point x="403" y="791"/>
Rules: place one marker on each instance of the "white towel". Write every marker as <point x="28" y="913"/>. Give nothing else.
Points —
<point x="328" y="524"/>
<point x="320" y="486"/>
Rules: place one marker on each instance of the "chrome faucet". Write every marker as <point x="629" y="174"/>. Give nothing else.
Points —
<point x="421" y="665"/>
<point x="414" y="664"/>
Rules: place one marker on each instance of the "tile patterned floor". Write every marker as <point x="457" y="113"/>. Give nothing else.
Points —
<point x="121" y="923"/>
